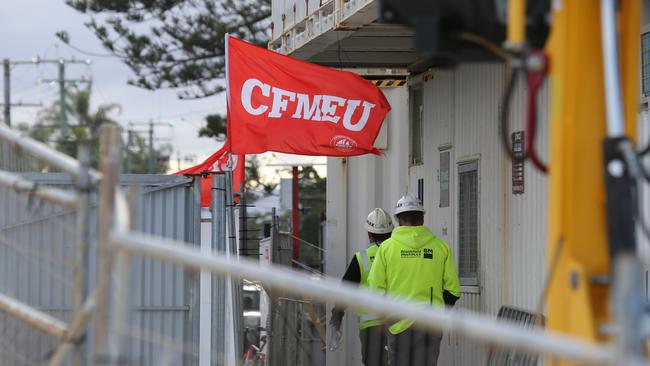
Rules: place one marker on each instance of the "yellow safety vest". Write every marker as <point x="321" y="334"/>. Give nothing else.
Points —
<point x="365" y="258"/>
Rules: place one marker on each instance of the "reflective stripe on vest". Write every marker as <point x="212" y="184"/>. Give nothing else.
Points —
<point x="364" y="261"/>
<point x="366" y="258"/>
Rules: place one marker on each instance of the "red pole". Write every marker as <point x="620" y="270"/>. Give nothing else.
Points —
<point x="294" y="212"/>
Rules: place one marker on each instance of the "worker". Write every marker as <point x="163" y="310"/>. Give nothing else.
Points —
<point x="379" y="226"/>
<point x="418" y="266"/>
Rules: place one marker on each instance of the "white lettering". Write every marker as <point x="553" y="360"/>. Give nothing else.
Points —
<point x="279" y="101"/>
<point x="349" y="112"/>
<point x="247" y="95"/>
<point x="307" y="107"/>
<point x="328" y="108"/>
<point x="304" y="110"/>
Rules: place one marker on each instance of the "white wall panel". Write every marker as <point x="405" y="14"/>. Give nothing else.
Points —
<point x="528" y="215"/>
<point x="354" y="187"/>
<point x="461" y="108"/>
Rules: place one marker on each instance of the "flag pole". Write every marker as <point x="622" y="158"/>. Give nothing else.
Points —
<point x="228" y="129"/>
<point x="226" y="37"/>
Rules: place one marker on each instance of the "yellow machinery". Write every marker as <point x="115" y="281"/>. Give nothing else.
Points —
<point x="592" y="58"/>
<point x="579" y="252"/>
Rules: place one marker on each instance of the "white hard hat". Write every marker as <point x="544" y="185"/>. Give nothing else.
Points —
<point x="379" y="222"/>
<point x="408" y="203"/>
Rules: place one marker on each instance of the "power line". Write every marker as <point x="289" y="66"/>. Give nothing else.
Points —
<point x="189" y="113"/>
<point x="90" y="53"/>
<point x="35" y="61"/>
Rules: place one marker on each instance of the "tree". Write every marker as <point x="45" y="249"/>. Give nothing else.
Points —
<point x="312" y="199"/>
<point x="215" y="126"/>
<point x="254" y="178"/>
<point x="84" y="126"/>
<point x="174" y="43"/>
<point x="138" y="161"/>
<point x="83" y="123"/>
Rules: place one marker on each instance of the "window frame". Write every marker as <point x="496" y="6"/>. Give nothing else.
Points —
<point x="413" y="160"/>
<point x="464" y="166"/>
<point x="644" y="36"/>
<point x="445" y="149"/>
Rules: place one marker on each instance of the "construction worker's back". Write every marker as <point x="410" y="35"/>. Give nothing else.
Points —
<point x="416" y="265"/>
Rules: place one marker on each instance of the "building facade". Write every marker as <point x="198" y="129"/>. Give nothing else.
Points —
<point x="442" y="143"/>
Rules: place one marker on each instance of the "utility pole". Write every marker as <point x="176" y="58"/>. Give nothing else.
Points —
<point x="129" y="142"/>
<point x="151" y="152"/>
<point x="151" y="124"/>
<point x="61" y="80"/>
<point x="63" y="113"/>
<point x="7" y="91"/>
<point x="6" y="63"/>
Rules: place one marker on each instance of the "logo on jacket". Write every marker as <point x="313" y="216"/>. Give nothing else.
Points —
<point x="410" y="253"/>
<point x="428" y="254"/>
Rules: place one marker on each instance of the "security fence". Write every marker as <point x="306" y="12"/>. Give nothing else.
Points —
<point x="37" y="262"/>
<point x="91" y="274"/>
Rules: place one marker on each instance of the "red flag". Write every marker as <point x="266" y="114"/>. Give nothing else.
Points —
<point x="278" y="103"/>
<point x="220" y="161"/>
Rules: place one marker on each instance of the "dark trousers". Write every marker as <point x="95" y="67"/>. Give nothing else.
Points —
<point x="373" y="342"/>
<point x="413" y="348"/>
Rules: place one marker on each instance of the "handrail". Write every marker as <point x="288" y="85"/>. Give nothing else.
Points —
<point x="472" y="325"/>
<point x="45" y="153"/>
<point x="21" y="185"/>
<point x="33" y="317"/>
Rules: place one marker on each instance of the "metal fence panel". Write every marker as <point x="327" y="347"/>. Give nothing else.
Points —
<point x="37" y="248"/>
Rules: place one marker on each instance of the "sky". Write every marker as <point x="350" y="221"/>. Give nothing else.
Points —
<point x="27" y="30"/>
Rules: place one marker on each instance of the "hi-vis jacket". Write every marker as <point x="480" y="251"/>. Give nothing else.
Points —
<point x="365" y="258"/>
<point x="414" y="264"/>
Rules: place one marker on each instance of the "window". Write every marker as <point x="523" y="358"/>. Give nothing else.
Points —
<point x="421" y="190"/>
<point x="416" y="125"/>
<point x="468" y="223"/>
<point x="645" y="63"/>
<point x="443" y="178"/>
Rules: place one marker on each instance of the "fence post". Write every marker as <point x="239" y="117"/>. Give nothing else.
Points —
<point x="198" y="290"/>
<point x="83" y="259"/>
<point x="110" y="150"/>
<point x="236" y="289"/>
<point x="628" y="303"/>
<point x="219" y="282"/>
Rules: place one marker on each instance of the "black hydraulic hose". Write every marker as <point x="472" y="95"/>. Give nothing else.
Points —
<point x="504" y="115"/>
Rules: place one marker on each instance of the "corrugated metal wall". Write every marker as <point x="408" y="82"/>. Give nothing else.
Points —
<point x="457" y="350"/>
<point x="461" y="112"/>
<point x="13" y="160"/>
<point x="33" y="271"/>
<point x="527" y="217"/>
<point x="37" y="242"/>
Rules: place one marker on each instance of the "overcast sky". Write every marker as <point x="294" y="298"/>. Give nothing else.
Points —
<point x="27" y="29"/>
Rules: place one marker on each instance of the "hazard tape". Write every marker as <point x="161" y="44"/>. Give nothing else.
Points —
<point x="388" y="83"/>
